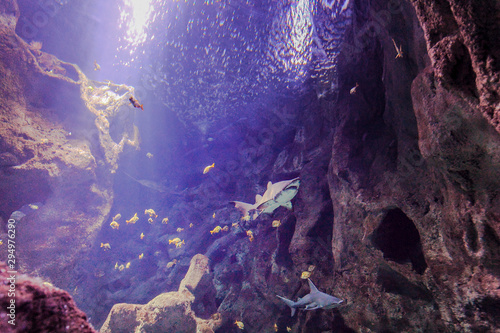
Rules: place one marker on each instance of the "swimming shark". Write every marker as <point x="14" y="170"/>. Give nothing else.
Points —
<point x="312" y="301"/>
<point x="149" y="184"/>
<point x="276" y="195"/>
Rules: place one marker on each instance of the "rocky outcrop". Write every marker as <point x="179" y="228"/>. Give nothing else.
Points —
<point x="37" y="306"/>
<point x="58" y="131"/>
<point x="171" y="311"/>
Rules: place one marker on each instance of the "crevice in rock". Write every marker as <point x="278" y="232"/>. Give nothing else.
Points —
<point x="471" y="235"/>
<point x="395" y="283"/>
<point x="399" y="240"/>
<point x="322" y="235"/>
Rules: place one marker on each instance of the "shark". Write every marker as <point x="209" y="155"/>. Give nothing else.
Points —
<point x="149" y="184"/>
<point x="312" y="301"/>
<point x="276" y="195"/>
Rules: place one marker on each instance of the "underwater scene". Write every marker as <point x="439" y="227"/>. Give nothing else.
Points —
<point x="249" y="166"/>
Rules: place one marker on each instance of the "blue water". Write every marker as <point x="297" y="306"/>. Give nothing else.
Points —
<point x="211" y="76"/>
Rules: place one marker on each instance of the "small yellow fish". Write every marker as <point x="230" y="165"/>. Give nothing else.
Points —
<point x="191" y="225"/>
<point x="141" y="255"/>
<point x="171" y="263"/>
<point x="208" y="168"/>
<point x="133" y="219"/>
<point x="32" y="206"/>
<point x="151" y="213"/>
<point x="117" y="217"/>
<point x="288" y="329"/>
<point x="311" y="268"/>
<point x="127" y="265"/>
<point x="399" y="50"/>
<point x="165" y="220"/>
<point x="96" y="66"/>
<point x="235" y="224"/>
<point x="239" y="324"/>
<point x="175" y="240"/>
<point x="116" y="265"/>
<point x="275" y="327"/>
<point x="180" y="229"/>
<point x="150" y="220"/>
<point x="179" y="244"/>
<point x="213" y="216"/>
<point x="226" y="228"/>
<point x="250" y="235"/>
<point x="305" y="275"/>
<point x="149" y="155"/>
<point x="114" y="225"/>
<point x="1" y="242"/>
<point x="276" y="223"/>
<point x="353" y="90"/>
<point x="142" y="235"/>
<point x="216" y="230"/>
<point x="106" y="246"/>
<point x="48" y="284"/>
<point x="246" y="218"/>
<point x="121" y="267"/>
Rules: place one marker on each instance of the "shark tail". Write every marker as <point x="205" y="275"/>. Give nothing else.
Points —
<point x="289" y="303"/>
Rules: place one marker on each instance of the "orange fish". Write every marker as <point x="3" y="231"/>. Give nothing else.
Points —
<point x="135" y="103"/>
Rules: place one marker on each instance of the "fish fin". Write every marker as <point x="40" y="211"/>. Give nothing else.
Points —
<point x="289" y="303"/>
<point x="287" y="205"/>
<point x="142" y="108"/>
<point x="312" y="286"/>
<point x="258" y="198"/>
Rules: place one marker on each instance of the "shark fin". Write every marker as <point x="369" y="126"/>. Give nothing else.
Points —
<point x="289" y="303"/>
<point x="258" y="198"/>
<point x="312" y="286"/>
<point x="243" y="207"/>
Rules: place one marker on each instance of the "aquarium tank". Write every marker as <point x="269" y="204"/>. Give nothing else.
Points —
<point x="221" y="166"/>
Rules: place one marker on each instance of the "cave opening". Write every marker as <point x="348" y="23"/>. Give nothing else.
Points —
<point x="399" y="240"/>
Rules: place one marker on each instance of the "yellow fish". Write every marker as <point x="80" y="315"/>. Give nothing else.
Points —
<point x="175" y="240"/>
<point x="311" y="268"/>
<point x="114" y="225"/>
<point x="48" y="284"/>
<point x="207" y="169"/>
<point x="149" y="155"/>
<point x="275" y="327"/>
<point x="276" y="223"/>
<point x="226" y="228"/>
<point x="353" y="90"/>
<point x="235" y="224"/>
<point x="32" y="206"/>
<point x="179" y="244"/>
<point x="171" y="263"/>
<point x="106" y="246"/>
<point x="151" y="213"/>
<point x="288" y="329"/>
<point x="216" y="230"/>
<point x="117" y="217"/>
<point x="213" y="216"/>
<point x="239" y="324"/>
<point x="141" y="255"/>
<point x="127" y="265"/>
<point x="116" y="265"/>
<point x="150" y="220"/>
<point x="133" y="219"/>
<point x="121" y="267"/>
<point x="142" y="235"/>
<point x="96" y="66"/>
<point x="250" y="235"/>
<point x="1" y="242"/>
<point x="180" y="229"/>
<point x="191" y="225"/>
<point x="165" y="220"/>
<point x="305" y="275"/>
<point x="246" y="218"/>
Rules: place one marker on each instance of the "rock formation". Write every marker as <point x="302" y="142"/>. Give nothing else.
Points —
<point x="38" y="306"/>
<point x="170" y="311"/>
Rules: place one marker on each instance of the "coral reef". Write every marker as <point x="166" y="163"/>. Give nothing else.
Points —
<point x="170" y="311"/>
<point x="38" y="307"/>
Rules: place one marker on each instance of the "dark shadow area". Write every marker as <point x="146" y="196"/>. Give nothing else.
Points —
<point x="395" y="283"/>
<point x="399" y="240"/>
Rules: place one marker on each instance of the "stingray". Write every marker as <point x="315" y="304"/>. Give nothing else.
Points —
<point x="149" y="184"/>
<point x="276" y="195"/>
